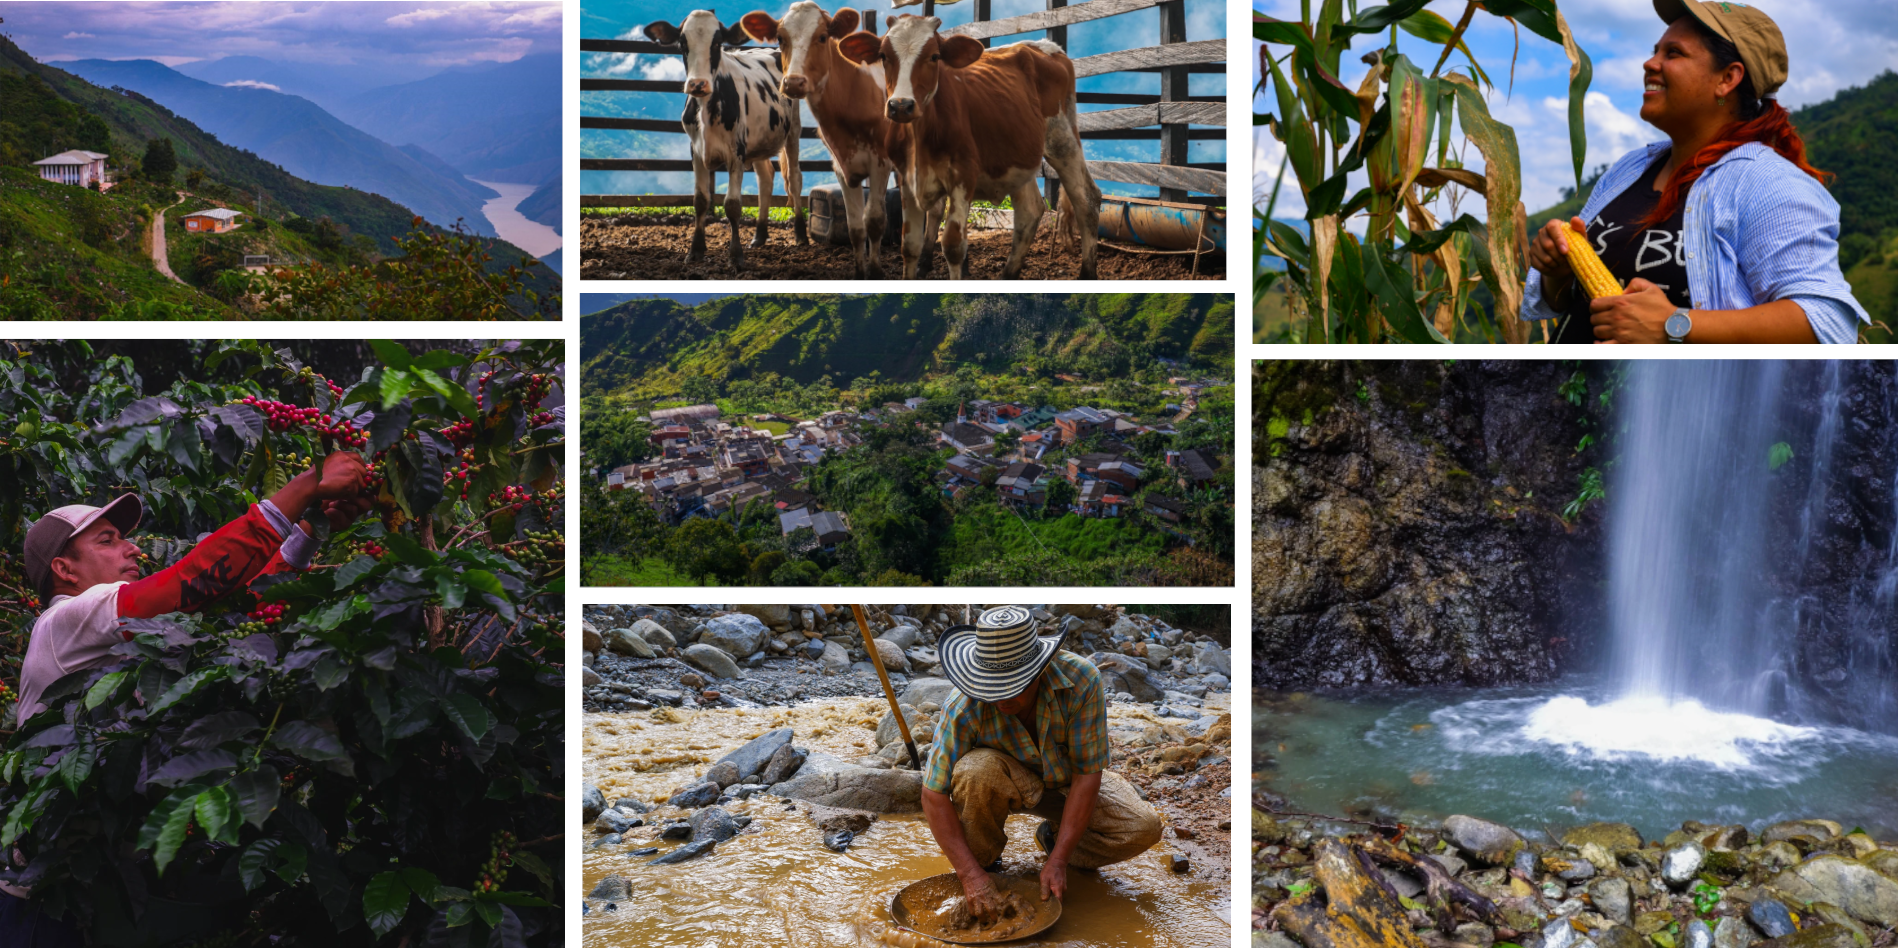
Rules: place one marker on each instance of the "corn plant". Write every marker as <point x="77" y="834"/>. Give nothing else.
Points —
<point x="1408" y="278"/>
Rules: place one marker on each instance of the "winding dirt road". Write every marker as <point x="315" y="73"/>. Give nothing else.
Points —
<point x="159" y="258"/>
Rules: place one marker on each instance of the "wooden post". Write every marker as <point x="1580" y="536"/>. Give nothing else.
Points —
<point x="870" y="21"/>
<point x="982" y="16"/>
<point x="1173" y="88"/>
<point x="929" y="7"/>
<point x="1059" y="34"/>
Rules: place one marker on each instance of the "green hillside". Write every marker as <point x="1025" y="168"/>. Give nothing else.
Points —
<point x="647" y="348"/>
<point x="74" y="255"/>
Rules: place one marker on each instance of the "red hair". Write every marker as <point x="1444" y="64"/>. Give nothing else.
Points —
<point x="1773" y="127"/>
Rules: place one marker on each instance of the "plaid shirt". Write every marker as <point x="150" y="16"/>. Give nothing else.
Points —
<point x="1071" y="713"/>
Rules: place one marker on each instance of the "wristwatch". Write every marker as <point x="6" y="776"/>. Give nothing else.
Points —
<point x="1678" y="325"/>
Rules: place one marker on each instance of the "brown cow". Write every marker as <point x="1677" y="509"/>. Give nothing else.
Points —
<point x="847" y="101"/>
<point x="975" y="124"/>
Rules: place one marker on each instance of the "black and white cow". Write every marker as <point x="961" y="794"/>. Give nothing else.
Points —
<point x="736" y="119"/>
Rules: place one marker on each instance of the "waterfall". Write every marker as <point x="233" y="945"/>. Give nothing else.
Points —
<point x="1687" y="519"/>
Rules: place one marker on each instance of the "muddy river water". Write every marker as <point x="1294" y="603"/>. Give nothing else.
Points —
<point x="776" y="884"/>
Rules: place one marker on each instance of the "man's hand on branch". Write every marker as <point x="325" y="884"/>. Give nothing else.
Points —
<point x="340" y="477"/>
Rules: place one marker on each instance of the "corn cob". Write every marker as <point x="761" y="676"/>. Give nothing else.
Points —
<point x="1589" y="269"/>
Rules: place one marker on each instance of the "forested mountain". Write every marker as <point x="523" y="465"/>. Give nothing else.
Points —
<point x="305" y="140"/>
<point x="493" y="121"/>
<point x="649" y="346"/>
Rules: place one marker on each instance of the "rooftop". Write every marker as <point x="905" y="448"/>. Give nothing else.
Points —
<point x="74" y="157"/>
<point x="217" y="213"/>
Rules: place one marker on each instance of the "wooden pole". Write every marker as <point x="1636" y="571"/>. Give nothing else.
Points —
<point x="870" y="645"/>
<point x="1174" y="86"/>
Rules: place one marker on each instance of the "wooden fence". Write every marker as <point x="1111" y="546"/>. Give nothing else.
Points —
<point x="1145" y="117"/>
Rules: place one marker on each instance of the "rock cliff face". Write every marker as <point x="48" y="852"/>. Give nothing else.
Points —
<point x="1408" y="523"/>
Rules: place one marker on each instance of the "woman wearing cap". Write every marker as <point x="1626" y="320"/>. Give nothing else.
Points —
<point x="1026" y="733"/>
<point x="1724" y="233"/>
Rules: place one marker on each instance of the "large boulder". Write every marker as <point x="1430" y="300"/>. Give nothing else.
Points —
<point x="857" y="788"/>
<point x="1122" y="673"/>
<point x="1212" y="660"/>
<point x="1609" y="836"/>
<point x="1850" y="885"/>
<point x="713" y="823"/>
<point x="702" y="793"/>
<point x="892" y="657"/>
<point x="902" y="634"/>
<point x="656" y="635"/>
<point x="628" y="642"/>
<point x="714" y="661"/>
<point x="775" y="616"/>
<point x="751" y="759"/>
<point x="1491" y="843"/>
<point x="592" y="803"/>
<point x="590" y="637"/>
<point x="835" y="660"/>
<point x="928" y="690"/>
<point x="921" y="725"/>
<point x="783" y="765"/>
<point x="613" y="888"/>
<point x="737" y="634"/>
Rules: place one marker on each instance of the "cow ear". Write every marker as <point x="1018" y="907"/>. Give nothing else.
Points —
<point x="959" y="51"/>
<point x="735" y="35"/>
<point x="843" y="24"/>
<point x="864" y="49"/>
<point x="760" y="26"/>
<point x="659" y="31"/>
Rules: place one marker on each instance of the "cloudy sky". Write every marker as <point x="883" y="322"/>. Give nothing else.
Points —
<point x="1832" y="45"/>
<point x="419" y="35"/>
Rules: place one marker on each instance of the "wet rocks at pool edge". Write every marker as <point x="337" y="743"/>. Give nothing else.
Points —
<point x="1601" y="885"/>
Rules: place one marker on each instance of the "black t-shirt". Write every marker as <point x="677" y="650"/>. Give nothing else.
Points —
<point x="1653" y="254"/>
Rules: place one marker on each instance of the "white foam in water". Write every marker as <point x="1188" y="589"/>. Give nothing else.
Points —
<point x="1663" y="730"/>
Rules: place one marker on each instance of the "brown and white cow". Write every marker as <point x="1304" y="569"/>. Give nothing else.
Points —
<point x="975" y="124"/>
<point x="847" y="101"/>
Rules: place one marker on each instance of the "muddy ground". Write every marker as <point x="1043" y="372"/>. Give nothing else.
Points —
<point x="634" y="248"/>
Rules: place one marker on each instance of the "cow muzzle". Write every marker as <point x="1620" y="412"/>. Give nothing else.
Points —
<point x="698" y="88"/>
<point x="795" y="87"/>
<point x="900" y="110"/>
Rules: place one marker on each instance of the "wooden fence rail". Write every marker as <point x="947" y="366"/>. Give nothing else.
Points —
<point x="1165" y="117"/>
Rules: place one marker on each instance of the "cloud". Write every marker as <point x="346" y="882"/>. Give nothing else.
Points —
<point x="647" y="66"/>
<point x="78" y="35"/>
<point x="253" y="84"/>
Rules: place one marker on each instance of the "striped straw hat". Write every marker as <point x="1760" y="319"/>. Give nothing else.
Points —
<point x="998" y="657"/>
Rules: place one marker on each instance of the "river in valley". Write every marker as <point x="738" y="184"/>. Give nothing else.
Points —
<point x="531" y="236"/>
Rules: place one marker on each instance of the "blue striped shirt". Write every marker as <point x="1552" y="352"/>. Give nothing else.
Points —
<point x="1757" y="229"/>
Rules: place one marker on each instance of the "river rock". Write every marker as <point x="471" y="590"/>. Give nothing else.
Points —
<point x="1824" y="936"/>
<point x="1609" y="836"/>
<point x="714" y="661"/>
<point x="723" y="773"/>
<point x="835" y="660"/>
<point x="628" y="642"/>
<point x="1560" y="934"/>
<point x="613" y="888"/>
<point x="857" y="788"/>
<point x="1850" y="885"/>
<point x="712" y="823"/>
<point x="1884" y="862"/>
<point x="1817" y="829"/>
<point x="1613" y="899"/>
<point x="588" y="677"/>
<point x="892" y="656"/>
<point x="590" y="640"/>
<point x="1121" y="673"/>
<point x="703" y="793"/>
<point x="902" y="635"/>
<point x="1273" y="940"/>
<point x="592" y="802"/>
<point x="750" y="759"/>
<point x="690" y="850"/>
<point x="783" y="765"/>
<point x="1696" y="935"/>
<point x="656" y="635"/>
<point x="679" y="829"/>
<point x="613" y="821"/>
<point x="1491" y="843"/>
<point x="927" y="690"/>
<point x="1733" y="932"/>
<point x="737" y="635"/>
<point x="1682" y="863"/>
<point x="775" y="616"/>
<point x="1212" y="660"/>
<point x="1772" y="917"/>
<point x="887" y="731"/>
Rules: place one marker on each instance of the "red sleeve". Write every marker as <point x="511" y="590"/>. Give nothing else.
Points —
<point x="229" y="559"/>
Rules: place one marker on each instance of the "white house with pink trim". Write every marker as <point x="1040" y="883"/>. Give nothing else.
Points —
<point x="73" y="167"/>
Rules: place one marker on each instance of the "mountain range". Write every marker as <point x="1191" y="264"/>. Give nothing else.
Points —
<point x="491" y="121"/>
<point x="646" y="346"/>
<point x="307" y="141"/>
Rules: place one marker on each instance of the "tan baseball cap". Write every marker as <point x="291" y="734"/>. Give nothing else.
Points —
<point x="47" y="539"/>
<point x="1762" y="47"/>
